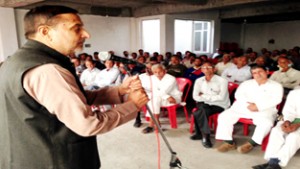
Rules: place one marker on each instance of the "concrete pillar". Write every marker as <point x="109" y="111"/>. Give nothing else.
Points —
<point x="8" y="33"/>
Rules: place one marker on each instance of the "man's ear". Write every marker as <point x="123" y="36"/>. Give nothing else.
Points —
<point x="44" y="31"/>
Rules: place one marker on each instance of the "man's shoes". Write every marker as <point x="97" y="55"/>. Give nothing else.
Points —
<point x="261" y="166"/>
<point x="245" y="148"/>
<point x="196" y="137"/>
<point x="226" y="147"/>
<point x="148" y="130"/>
<point x="267" y="166"/>
<point x="206" y="143"/>
<point x="137" y="124"/>
<point x="273" y="166"/>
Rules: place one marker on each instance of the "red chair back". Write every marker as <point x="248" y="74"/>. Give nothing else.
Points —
<point x="232" y="87"/>
<point x="184" y="83"/>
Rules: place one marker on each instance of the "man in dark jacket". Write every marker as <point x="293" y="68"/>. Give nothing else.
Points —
<point x="46" y="119"/>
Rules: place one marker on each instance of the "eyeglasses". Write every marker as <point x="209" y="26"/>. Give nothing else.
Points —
<point x="206" y="67"/>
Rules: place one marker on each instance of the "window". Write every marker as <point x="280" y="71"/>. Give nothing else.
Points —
<point x="202" y="36"/>
<point x="194" y="36"/>
<point x="151" y="35"/>
<point x="183" y="35"/>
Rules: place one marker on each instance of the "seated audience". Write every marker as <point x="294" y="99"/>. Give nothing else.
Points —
<point x="146" y="83"/>
<point x="98" y="63"/>
<point x="141" y="59"/>
<point x="261" y="61"/>
<point x="175" y="68"/>
<point x="275" y="54"/>
<point x="256" y="99"/>
<point x="122" y="75"/>
<point x="126" y="54"/>
<point x="252" y="57"/>
<point x="269" y="61"/>
<point x="107" y="76"/>
<point x="78" y="67"/>
<point x="295" y="57"/>
<point x="147" y="56"/>
<point x="88" y="76"/>
<point x="168" y="57"/>
<point x="194" y="72"/>
<point x="218" y="54"/>
<point x="164" y="92"/>
<point x="211" y="94"/>
<point x="82" y="57"/>
<point x="286" y="75"/>
<point x="133" y="56"/>
<point x="204" y="58"/>
<point x="285" y="137"/>
<point x="239" y="72"/>
<point x="179" y="54"/>
<point x="189" y="59"/>
<point x="141" y="52"/>
<point x="224" y="64"/>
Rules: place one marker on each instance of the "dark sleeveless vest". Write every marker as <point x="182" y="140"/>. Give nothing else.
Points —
<point x="31" y="137"/>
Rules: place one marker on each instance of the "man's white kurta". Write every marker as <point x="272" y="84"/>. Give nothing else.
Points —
<point x="266" y="97"/>
<point x="161" y="90"/>
<point x="282" y="145"/>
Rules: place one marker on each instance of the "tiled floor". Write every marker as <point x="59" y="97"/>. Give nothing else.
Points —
<point x="127" y="148"/>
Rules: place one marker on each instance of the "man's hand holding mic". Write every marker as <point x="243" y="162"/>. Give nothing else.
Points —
<point x="133" y="87"/>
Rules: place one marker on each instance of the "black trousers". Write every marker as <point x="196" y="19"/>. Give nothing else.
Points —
<point x="201" y="117"/>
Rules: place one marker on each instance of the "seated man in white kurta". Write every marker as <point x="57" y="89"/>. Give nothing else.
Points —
<point x="164" y="92"/>
<point x="286" y="75"/>
<point x="88" y="76"/>
<point x="239" y="72"/>
<point x="107" y="76"/>
<point x="256" y="99"/>
<point x="285" y="137"/>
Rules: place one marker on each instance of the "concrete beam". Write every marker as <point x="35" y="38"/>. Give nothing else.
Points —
<point x="267" y="9"/>
<point x="156" y="9"/>
<point x="17" y="3"/>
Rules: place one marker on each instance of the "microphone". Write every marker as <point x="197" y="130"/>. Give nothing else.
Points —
<point x="108" y="56"/>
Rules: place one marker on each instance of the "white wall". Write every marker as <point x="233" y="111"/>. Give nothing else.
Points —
<point x="286" y="35"/>
<point x="119" y="34"/>
<point x="8" y="36"/>
<point x="20" y="27"/>
<point x="108" y="33"/>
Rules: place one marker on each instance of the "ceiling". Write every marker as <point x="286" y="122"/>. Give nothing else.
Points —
<point x="233" y="11"/>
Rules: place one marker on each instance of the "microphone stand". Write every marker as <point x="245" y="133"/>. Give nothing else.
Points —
<point x="174" y="162"/>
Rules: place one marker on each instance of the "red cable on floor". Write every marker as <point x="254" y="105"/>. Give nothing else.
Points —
<point x="156" y="130"/>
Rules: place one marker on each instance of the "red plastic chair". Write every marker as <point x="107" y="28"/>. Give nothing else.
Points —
<point x="232" y="87"/>
<point x="184" y="85"/>
<point x="213" y="119"/>
<point x="246" y="122"/>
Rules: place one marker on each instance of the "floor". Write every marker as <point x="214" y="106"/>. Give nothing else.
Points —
<point x="127" y="147"/>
